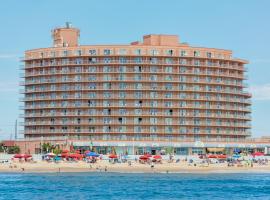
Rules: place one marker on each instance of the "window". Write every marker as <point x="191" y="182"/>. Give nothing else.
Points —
<point x="153" y="103"/>
<point x="137" y="77"/>
<point x="92" y="69"/>
<point x="168" y="121"/>
<point x="123" y="60"/>
<point x="208" y="54"/>
<point x="107" y="52"/>
<point x="92" y="78"/>
<point x="92" y="52"/>
<point x="107" y="60"/>
<point x="137" y="51"/>
<point x="122" y="69"/>
<point x="168" y="60"/>
<point x="122" y="103"/>
<point x="122" y="86"/>
<point x="78" y="52"/>
<point x="153" y="120"/>
<point x="168" y="69"/>
<point x="168" y="78"/>
<point x="138" y="60"/>
<point x="196" y="53"/>
<point x="122" y="94"/>
<point x="183" y="53"/>
<point x="122" y="52"/>
<point x="138" y="69"/>
<point x="153" y="69"/>
<point x="169" y="52"/>
<point x="107" y="69"/>
<point x="153" y="60"/>
<point x="153" y="94"/>
<point x="107" y="86"/>
<point x="154" y="52"/>
<point x="196" y="62"/>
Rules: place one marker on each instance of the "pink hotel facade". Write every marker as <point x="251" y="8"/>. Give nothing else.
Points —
<point x="144" y="96"/>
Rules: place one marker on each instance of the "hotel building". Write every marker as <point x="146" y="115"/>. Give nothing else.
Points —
<point x="136" y="97"/>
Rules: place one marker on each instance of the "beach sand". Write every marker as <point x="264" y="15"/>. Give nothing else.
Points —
<point x="105" y="166"/>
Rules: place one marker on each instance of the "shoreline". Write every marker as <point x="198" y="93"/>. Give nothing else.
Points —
<point x="105" y="167"/>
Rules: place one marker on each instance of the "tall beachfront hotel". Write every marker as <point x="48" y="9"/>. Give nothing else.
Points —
<point x="143" y="96"/>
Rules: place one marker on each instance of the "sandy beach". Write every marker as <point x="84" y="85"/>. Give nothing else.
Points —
<point x="105" y="166"/>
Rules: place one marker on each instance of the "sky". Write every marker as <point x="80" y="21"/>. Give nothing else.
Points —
<point x="241" y="26"/>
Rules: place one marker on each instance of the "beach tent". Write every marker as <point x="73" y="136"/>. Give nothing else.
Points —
<point x="93" y="154"/>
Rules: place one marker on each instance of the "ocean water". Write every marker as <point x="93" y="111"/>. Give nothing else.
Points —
<point x="134" y="186"/>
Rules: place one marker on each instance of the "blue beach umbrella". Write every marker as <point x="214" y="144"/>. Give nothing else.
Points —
<point x="236" y="156"/>
<point x="93" y="154"/>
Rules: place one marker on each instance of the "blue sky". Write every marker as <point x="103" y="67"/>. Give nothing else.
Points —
<point x="242" y="26"/>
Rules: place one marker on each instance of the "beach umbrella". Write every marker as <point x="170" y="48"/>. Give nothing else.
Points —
<point x="50" y="154"/>
<point x="64" y="155"/>
<point x="93" y="154"/>
<point x="113" y="156"/>
<point x="236" y="156"/>
<point x="157" y="157"/>
<point x="212" y="156"/>
<point x="257" y="154"/>
<point x="75" y="155"/>
<point x="87" y="151"/>
<point x="144" y="157"/>
<point x="27" y="156"/>
<point x="148" y="155"/>
<point x="18" y="156"/>
<point x="65" y="151"/>
<point x="222" y="156"/>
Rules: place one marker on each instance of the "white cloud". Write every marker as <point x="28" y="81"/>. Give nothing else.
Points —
<point x="260" y="92"/>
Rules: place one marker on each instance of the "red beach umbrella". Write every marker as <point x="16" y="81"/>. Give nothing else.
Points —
<point x="18" y="156"/>
<point x="212" y="156"/>
<point x="113" y="156"/>
<point x="144" y="157"/>
<point x="157" y="157"/>
<point x="148" y="155"/>
<point x="257" y="154"/>
<point x="75" y="155"/>
<point x="65" y="151"/>
<point x="27" y="156"/>
<point x="222" y="156"/>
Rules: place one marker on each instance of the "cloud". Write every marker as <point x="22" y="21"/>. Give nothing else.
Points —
<point x="260" y="92"/>
<point x="9" y="87"/>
